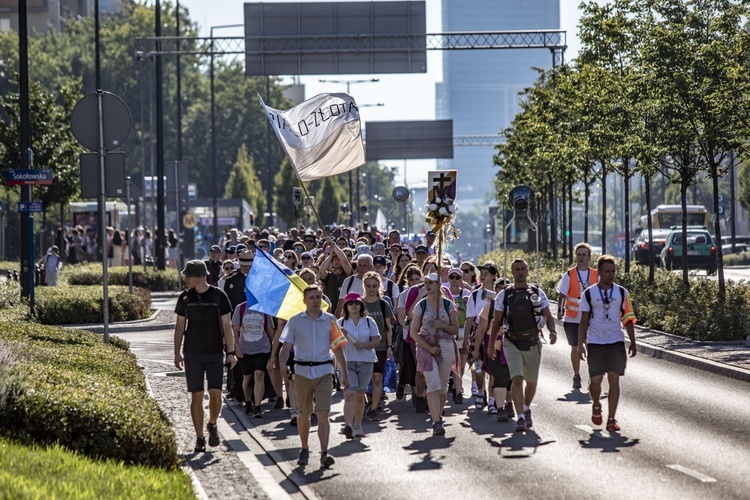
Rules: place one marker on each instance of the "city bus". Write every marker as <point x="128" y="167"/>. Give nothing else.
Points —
<point x="666" y="216"/>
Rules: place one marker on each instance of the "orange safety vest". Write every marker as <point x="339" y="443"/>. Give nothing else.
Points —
<point x="573" y="297"/>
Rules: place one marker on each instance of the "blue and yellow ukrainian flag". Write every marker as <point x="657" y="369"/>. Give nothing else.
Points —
<point x="273" y="289"/>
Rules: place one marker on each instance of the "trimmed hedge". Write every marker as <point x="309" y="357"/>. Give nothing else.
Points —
<point x="73" y="305"/>
<point x="151" y="279"/>
<point x="68" y="387"/>
<point x="665" y="305"/>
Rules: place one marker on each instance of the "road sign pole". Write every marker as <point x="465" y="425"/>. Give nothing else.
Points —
<point x="102" y="218"/>
<point x="31" y="262"/>
<point x="128" y="236"/>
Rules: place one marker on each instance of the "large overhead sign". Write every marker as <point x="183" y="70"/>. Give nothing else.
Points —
<point x="408" y="140"/>
<point x="328" y="38"/>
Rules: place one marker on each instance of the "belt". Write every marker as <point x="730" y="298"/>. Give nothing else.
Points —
<point x="312" y="363"/>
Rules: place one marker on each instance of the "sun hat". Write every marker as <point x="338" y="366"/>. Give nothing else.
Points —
<point x="195" y="268"/>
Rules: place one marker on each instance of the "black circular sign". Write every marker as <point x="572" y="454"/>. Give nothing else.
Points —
<point x="116" y="120"/>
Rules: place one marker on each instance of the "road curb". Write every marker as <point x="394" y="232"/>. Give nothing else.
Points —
<point x="697" y="362"/>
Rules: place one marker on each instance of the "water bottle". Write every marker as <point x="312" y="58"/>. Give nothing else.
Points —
<point x="536" y="303"/>
<point x="478" y="366"/>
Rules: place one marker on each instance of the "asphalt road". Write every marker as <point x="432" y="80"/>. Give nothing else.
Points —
<point x="684" y="435"/>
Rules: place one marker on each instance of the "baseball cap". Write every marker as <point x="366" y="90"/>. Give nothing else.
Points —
<point x="246" y="257"/>
<point x="491" y="267"/>
<point x="430" y="233"/>
<point x="396" y="245"/>
<point x="422" y="248"/>
<point x="241" y="248"/>
<point x="305" y="254"/>
<point x="432" y="277"/>
<point x="455" y="270"/>
<point x="231" y="249"/>
<point x="379" y="259"/>
<point x="364" y="249"/>
<point x="195" y="268"/>
<point x="216" y="248"/>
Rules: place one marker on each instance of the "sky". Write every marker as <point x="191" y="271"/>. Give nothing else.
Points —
<point x="405" y="97"/>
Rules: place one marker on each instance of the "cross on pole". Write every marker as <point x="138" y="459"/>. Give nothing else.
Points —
<point x="441" y="181"/>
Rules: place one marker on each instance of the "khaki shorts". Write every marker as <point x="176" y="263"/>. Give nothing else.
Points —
<point x="523" y="363"/>
<point x="321" y="388"/>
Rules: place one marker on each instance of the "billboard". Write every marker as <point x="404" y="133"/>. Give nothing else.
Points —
<point x="329" y="38"/>
<point x="408" y="140"/>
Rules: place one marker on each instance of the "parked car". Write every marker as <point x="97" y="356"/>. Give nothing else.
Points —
<point x="738" y="248"/>
<point x="641" y="245"/>
<point x="700" y="245"/>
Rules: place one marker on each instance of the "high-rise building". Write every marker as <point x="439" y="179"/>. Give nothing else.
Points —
<point x="42" y="14"/>
<point x="480" y="88"/>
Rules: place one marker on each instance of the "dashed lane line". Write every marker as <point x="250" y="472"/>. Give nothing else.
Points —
<point x="692" y="473"/>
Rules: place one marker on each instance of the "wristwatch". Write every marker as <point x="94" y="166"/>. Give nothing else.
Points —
<point x="233" y="353"/>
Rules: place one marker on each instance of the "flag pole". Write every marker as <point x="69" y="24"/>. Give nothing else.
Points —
<point x="309" y="200"/>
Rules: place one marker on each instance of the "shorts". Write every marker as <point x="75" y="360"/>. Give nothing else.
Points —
<point x="250" y="363"/>
<point x="500" y="373"/>
<point x="437" y="378"/>
<point x="320" y="388"/>
<point x="204" y="367"/>
<point x="380" y="363"/>
<point x="605" y="358"/>
<point x="360" y="374"/>
<point x="571" y="331"/>
<point x="523" y="363"/>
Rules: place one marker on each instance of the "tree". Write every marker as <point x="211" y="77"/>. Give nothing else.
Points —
<point x="286" y="179"/>
<point x="243" y="183"/>
<point x="328" y="201"/>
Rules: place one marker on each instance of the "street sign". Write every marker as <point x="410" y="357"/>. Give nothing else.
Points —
<point x="189" y="221"/>
<point x="25" y="207"/>
<point x="28" y="177"/>
<point x="114" y="177"/>
<point x="116" y="118"/>
<point x="297" y="197"/>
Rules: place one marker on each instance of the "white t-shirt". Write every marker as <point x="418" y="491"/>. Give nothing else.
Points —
<point x="605" y="326"/>
<point x="473" y="308"/>
<point x="356" y="286"/>
<point x="564" y="286"/>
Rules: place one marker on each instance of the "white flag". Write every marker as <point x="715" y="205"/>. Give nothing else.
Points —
<point x="322" y="136"/>
<point x="380" y="221"/>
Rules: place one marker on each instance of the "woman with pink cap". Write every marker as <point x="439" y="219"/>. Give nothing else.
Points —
<point x="362" y="335"/>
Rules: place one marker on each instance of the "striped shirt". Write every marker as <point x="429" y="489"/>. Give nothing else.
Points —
<point x="364" y="331"/>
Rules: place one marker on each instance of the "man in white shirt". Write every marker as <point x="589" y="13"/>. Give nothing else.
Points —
<point x="605" y="310"/>
<point x="354" y="283"/>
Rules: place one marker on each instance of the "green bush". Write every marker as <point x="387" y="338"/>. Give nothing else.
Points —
<point x="71" y="305"/>
<point x="68" y="387"/>
<point x="736" y="259"/>
<point x="666" y="304"/>
<point x="151" y="279"/>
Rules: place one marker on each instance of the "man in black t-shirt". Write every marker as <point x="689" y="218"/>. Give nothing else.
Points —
<point x="204" y="320"/>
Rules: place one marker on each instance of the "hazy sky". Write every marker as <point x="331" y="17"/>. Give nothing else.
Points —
<point x="406" y="97"/>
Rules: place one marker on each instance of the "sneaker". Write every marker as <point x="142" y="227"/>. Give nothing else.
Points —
<point x="326" y="460"/>
<point x="400" y="392"/>
<point x="358" y="432"/>
<point x="527" y="417"/>
<point x="492" y="410"/>
<point x="258" y="413"/>
<point x="612" y="425"/>
<point x="474" y="390"/>
<point x="200" y="445"/>
<point x="248" y="408"/>
<point x="348" y="431"/>
<point x="304" y="457"/>
<point x="458" y="398"/>
<point x="372" y="414"/>
<point x="279" y="405"/>
<point x="521" y="424"/>
<point x="213" y="434"/>
<point x="596" y="414"/>
<point x="294" y="415"/>
<point x="502" y="416"/>
<point x="509" y="411"/>
<point x="576" y="381"/>
<point x="438" y="429"/>
<point x="421" y="404"/>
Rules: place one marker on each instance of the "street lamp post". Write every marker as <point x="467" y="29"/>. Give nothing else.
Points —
<point x="348" y="86"/>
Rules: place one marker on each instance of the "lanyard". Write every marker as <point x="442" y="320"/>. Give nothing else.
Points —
<point x="584" y="284"/>
<point x="605" y="301"/>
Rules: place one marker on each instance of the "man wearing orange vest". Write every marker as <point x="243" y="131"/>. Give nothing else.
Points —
<point x="573" y="283"/>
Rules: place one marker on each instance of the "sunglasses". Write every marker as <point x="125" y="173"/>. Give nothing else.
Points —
<point x="467" y="271"/>
<point x="228" y="268"/>
<point x="454" y="277"/>
<point x="309" y="241"/>
<point x="289" y="257"/>
<point x="306" y="258"/>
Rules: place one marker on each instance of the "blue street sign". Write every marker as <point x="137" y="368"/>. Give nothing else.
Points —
<point x="25" y="207"/>
<point x="28" y="176"/>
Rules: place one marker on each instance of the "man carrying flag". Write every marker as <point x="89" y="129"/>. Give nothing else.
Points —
<point x="314" y="334"/>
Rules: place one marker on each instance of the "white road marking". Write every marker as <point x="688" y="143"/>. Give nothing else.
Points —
<point x="692" y="473"/>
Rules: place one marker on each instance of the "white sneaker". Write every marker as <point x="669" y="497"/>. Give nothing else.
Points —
<point x="474" y="389"/>
<point x="358" y="432"/>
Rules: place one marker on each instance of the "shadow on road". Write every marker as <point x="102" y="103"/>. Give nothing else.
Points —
<point x="427" y="447"/>
<point x="576" y="396"/>
<point x="517" y="442"/>
<point x="608" y="443"/>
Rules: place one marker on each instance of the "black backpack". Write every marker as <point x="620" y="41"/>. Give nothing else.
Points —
<point x="520" y="315"/>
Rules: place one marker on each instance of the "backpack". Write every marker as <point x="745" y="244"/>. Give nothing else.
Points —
<point x="587" y="294"/>
<point x="446" y="303"/>
<point x="520" y="315"/>
<point x="461" y="305"/>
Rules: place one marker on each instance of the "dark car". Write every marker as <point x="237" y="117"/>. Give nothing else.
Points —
<point x="641" y="245"/>
<point x="701" y="250"/>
